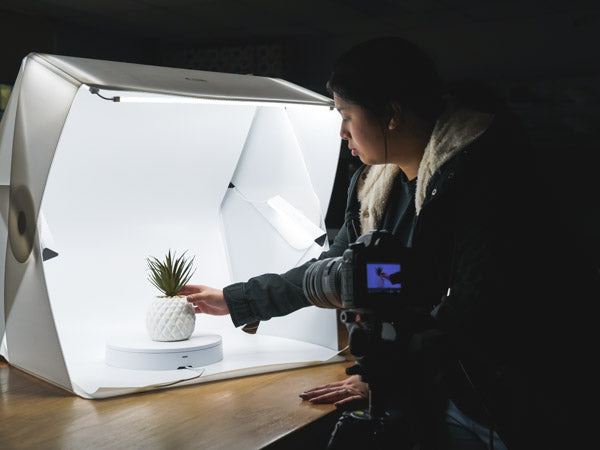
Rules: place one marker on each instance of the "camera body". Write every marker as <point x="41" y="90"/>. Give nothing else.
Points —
<point x="373" y="283"/>
<point x="373" y="273"/>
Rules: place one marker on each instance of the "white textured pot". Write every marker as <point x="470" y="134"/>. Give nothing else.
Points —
<point x="170" y="319"/>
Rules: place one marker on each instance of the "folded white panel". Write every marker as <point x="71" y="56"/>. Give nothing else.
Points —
<point x="278" y="179"/>
<point x="240" y="177"/>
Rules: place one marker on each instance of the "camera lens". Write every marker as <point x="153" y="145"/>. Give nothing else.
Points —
<point x="322" y="282"/>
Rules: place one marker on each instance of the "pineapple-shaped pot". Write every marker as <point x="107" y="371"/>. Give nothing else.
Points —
<point x="170" y="317"/>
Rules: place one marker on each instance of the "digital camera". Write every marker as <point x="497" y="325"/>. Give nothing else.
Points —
<point x="374" y="272"/>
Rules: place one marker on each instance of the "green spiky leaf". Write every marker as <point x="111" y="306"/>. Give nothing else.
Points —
<point x="171" y="274"/>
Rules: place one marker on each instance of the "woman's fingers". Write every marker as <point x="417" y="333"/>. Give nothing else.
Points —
<point x="207" y="308"/>
<point x="209" y="301"/>
<point x="325" y="386"/>
<point x="341" y="393"/>
<point x="195" y="297"/>
<point x="190" y="289"/>
<point x="314" y="393"/>
<point x="332" y="396"/>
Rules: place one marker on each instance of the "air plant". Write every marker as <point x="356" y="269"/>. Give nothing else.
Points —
<point x="170" y="275"/>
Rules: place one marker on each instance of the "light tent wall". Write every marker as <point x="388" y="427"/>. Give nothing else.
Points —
<point x="235" y="169"/>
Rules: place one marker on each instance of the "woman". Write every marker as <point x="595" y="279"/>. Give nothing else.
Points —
<point x="445" y="174"/>
<point x="368" y="138"/>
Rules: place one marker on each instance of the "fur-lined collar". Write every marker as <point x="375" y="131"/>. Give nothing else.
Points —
<point x="374" y="187"/>
<point x="455" y="129"/>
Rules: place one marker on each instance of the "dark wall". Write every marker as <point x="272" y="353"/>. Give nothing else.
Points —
<point x="547" y="68"/>
<point x="20" y="35"/>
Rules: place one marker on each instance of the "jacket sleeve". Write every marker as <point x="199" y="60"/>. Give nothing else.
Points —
<point x="271" y="295"/>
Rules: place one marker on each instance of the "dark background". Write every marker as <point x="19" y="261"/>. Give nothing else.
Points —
<point x="541" y="56"/>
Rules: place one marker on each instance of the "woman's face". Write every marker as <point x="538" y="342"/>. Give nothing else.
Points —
<point x="362" y="131"/>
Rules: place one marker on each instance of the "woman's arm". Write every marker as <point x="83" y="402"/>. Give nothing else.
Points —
<point x="272" y="295"/>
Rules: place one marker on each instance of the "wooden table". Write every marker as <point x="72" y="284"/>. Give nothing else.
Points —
<point x="243" y="413"/>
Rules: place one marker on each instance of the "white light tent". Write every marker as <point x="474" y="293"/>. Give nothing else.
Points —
<point x="235" y="169"/>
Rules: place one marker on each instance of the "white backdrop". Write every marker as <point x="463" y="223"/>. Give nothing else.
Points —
<point x="132" y="180"/>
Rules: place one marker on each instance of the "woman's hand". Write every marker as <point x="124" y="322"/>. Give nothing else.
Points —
<point x="346" y="393"/>
<point x="205" y="299"/>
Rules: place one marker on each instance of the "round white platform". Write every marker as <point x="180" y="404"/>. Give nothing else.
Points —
<point x="142" y="353"/>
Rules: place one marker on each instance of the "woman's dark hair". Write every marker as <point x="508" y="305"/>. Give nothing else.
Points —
<point x="382" y="71"/>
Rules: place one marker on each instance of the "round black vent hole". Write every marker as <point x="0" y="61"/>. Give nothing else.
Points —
<point x="21" y="223"/>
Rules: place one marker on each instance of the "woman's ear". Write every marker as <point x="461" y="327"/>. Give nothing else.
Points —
<point x="395" y="114"/>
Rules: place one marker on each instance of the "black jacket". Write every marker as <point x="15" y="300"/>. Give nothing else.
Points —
<point x="485" y="250"/>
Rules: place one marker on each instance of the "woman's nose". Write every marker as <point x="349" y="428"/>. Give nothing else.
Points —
<point x="343" y="133"/>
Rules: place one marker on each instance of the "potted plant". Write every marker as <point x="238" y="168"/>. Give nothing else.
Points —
<point x="170" y="317"/>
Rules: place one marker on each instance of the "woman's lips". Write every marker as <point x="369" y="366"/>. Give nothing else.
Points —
<point x="354" y="152"/>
